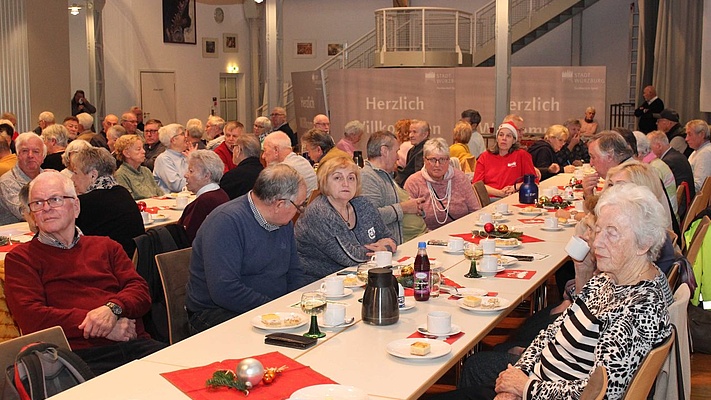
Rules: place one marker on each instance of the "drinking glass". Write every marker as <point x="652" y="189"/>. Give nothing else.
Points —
<point x="472" y="251"/>
<point x="313" y="304"/>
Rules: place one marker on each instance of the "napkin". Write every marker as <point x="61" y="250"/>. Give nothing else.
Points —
<point x="475" y="239"/>
<point x="8" y="247"/>
<point x="191" y="381"/>
<point x="151" y="210"/>
<point x="516" y="274"/>
<point x="449" y="340"/>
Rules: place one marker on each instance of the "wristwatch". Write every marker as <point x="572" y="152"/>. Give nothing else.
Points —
<point x="115" y="308"/>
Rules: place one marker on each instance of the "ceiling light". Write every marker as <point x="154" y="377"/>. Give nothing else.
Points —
<point x="74" y="9"/>
<point x="258" y="1"/>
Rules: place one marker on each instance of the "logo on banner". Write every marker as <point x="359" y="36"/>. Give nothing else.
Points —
<point x="307" y="102"/>
<point x="567" y="76"/>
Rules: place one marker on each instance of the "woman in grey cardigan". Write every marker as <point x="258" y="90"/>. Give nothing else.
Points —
<point x="339" y="228"/>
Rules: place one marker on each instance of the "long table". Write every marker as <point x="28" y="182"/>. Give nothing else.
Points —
<point x="355" y="355"/>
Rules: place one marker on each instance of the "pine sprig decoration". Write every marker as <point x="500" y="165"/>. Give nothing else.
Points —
<point x="228" y="379"/>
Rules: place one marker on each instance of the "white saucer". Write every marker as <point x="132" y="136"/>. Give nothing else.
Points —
<point x="492" y="273"/>
<point x="409" y="305"/>
<point x="176" y="208"/>
<point x="149" y="223"/>
<point x="346" y="292"/>
<point x="454" y="252"/>
<point x="556" y="229"/>
<point x="454" y="330"/>
<point x="322" y="324"/>
<point x="160" y="217"/>
<point x="469" y="291"/>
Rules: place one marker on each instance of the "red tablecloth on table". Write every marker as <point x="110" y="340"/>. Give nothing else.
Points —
<point x="191" y="381"/>
<point x="475" y="239"/>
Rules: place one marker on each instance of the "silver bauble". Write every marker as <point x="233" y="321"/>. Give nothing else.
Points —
<point x="250" y="371"/>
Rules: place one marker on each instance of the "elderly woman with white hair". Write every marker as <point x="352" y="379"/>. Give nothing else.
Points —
<point x="107" y="208"/>
<point x="205" y="169"/>
<point x="195" y="133"/>
<point x="615" y="319"/>
<point x="449" y="194"/>
<point x="72" y="148"/>
<point x="351" y="136"/>
<point x="503" y="167"/>
<point x="262" y="127"/>
<point x="132" y="175"/>
<point x="171" y="165"/>
<point x="112" y="134"/>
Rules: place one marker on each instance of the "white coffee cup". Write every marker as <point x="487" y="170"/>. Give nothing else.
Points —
<point x="382" y="258"/>
<point x="550" y="191"/>
<point x="488" y="246"/>
<point x="551" y="222"/>
<point x="489" y="263"/>
<point x="181" y="201"/>
<point x="577" y="248"/>
<point x="335" y="314"/>
<point x="146" y="217"/>
<point x="439" y="322"/>
<point x="578" y="204"/>
<point x="485" y="217"/>
<point x="333" y="286"/>
<point x="455" y="244"/>
<point x="502" y="208"/>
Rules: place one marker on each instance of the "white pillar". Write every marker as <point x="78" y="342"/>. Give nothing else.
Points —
<point x="503" y="59"/>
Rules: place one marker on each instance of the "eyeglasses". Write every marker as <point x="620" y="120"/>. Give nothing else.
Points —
<point x="276" y="114"/>
<point x="299" y="207"/>
<point x="151" y="131"/>
<point x="53" y="202"/>
<point x="433" y="160"/>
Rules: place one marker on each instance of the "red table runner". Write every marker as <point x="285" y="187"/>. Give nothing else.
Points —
<point x="475" y="239"/>
<point x="8" y="247"/>
<point x="191" y="381"/>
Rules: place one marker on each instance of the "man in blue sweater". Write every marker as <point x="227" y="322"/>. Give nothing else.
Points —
<point x="244" y="254"/>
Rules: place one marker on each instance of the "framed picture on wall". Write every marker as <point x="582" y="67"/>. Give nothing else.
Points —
<point x="179" y="21"/>
<point x="304" y="49"/>
<point x="229" y="42"/>
<point x="334" y="48"/>
<point x="209" y="47"/>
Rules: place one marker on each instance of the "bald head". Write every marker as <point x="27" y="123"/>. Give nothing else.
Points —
<point x="323" y="123"/>
<point x="277" y="146"/>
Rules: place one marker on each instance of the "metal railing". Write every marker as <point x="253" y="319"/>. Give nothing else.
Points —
<point x="522" y="11"/>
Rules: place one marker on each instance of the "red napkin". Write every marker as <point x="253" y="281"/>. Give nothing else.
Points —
<point x="192" y="381"/>
<point x="8" y="247"/>
<point x="516" y="274"/>
<point x="449" y="340"/>
<point x="151" y="210"/>
<point x="475" y="239"/>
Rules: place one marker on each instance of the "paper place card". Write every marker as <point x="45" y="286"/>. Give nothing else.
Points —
<point x="516" y="274"/>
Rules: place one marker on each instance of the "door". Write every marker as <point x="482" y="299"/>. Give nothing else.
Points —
<point x="229" y="94"/>
<point x="158" y="96"/>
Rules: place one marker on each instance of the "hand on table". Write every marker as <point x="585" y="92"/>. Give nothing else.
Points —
<point x="98" y="322"/>
<point x="512" y="380"/>
<point x="554" y="168"/>
<point x="124" y="330"/>
<point x="384" y="244"/>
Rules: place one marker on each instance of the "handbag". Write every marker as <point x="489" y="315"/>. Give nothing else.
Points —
<point x="699" y="328"/>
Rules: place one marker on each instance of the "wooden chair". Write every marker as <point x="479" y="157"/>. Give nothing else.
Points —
<point x="682" y="201"/>
<point x="674" y="371"/>
<point x="11" y="348"/>
<point x="481" y="193"/>
<point x="174" y="270"/>
<point x="694" y="245"/>
<point x="597" y="385"/>
<point x="695" y="208"/>
<point x="673" y="276"/>
<point x="645" y="376"/>
<point x="705" y="192"/>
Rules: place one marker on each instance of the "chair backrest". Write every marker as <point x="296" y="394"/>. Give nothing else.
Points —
<point x="682" y="200"/>
<point x="481" y="193"/>
<point x="667" y="386"/>
<point x="174" y="270"/>
<point x="697" y="205"/>
<point x="11" y="348"/>
<point x="705" y="192"/>
<point x="597" y="385"/>
<point x="673" y="276"/>
<point x="694" y="245"/>
<point x="643" y="379"/>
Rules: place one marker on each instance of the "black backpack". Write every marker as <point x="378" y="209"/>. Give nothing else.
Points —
<point x="42" y="370"/>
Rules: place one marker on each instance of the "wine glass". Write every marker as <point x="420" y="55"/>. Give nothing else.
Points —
<point x="313" y="304"/>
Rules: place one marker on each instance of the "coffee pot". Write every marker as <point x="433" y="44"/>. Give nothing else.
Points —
<point x="380" y="301"/>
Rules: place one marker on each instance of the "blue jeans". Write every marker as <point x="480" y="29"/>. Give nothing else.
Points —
<point x="205" y="319"/>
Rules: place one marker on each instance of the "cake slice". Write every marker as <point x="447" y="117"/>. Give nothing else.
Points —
<point x="271" y="320"/>
<point x="472" y="301"/>
<point x="420" y="348"/>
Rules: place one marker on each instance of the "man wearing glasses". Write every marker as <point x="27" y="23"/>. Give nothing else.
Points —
<point x="419" y="133"/>
<point x="152" y="146"/>
<point x="278" y="117"/>
<point x="244" y="254"/>
<point x="130" y="124"/>
<point x="45" y="276"/>
<point x="31" y="152"/>
<point x="321" y="122"/>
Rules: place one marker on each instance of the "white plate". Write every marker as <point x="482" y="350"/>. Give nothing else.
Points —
<point x="329" y="391"/>
<point x="511" y="246"/>
<point x="178" y="208"/>
<point x="454" y="330"/>
<point x="465" y="291"/>
<point x="160" y="217"/>
<point x="257" y="321"/>
<point x="507" y="213"/>
<point x="570" y="222"/>
<point x="409" y="305"/>
<point x="492" y="273"/>
<point x="346" y="292"/>
<point x="505" y="261"/>
<point x="503" y="304"/>
<point x="149" y="223"/>
<point x="556" y="229"/>
<point x="322" y="324"/>
<point x="538" y="211"/>
<point x="454" y="252"/>
<point x="401" y="348"/>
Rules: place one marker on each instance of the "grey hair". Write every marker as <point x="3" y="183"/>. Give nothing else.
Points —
<point x="264" y="122"/>
<point x="72" y="148"/>
<point x="379" y="139"/>
<point x="67" y="184"/>
<point x="85" y="120"/>
<point x="97" y="158"/>
<point x="278" y="182"/>
<point x="591" y="109"/>
<point x="58" y="132"/>
<point x="279" y="139"/>
<point x="215" y="120"/>
<point x="354" y="128"/>
<point x="209" y="162"/>
<point x="24" y="197"/>
<point x="643" y="145"/>
<point x="613" y="145"/>
<point x="658" y="137"/>
<point x="317" y="137"/>
<point x="46" y="116"/>
<point x="642" y="210"/>
<point x="23" y="138"/>
<point x="249" y="144"/>
<point x="698" y="126"/>
<point x="116" y="131"/>
<point x="435" y="145"/>
<point x="168" y="132"/>
<point x="195" y="128"/>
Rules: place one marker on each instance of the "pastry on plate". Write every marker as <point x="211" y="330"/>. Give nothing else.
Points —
<point x="420" y="348"/>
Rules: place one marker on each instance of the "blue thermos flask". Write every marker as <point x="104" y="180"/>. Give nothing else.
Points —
<point x="528" y="193"/>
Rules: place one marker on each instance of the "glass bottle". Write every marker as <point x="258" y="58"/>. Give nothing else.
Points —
<point x="358" y="158"/>
<point x="421" y="282"/>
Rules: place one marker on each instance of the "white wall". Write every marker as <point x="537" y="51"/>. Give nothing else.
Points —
<point x="78" y="55"/>
<point x="133" y="42"/>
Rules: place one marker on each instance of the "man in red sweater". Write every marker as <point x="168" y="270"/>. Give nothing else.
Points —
<point x="85" y="284"/>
